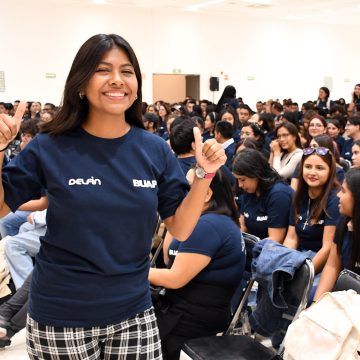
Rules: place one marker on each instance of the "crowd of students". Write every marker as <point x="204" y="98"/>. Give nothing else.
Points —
<point x="294" y="174"/>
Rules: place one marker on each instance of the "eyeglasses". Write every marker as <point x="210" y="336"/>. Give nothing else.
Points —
<point x="322" y="151"/>
<point x="282" y="136"/>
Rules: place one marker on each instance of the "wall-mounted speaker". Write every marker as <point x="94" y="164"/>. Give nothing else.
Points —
<point x="214" y="83"/>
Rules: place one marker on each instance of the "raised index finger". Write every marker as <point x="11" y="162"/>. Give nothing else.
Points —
<point x="198" y="139"/>
<point x="19" y="113"/>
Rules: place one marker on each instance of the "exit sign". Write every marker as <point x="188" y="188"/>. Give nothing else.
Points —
<point x="50" y="75"/>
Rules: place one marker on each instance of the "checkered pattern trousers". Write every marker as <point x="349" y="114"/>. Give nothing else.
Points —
<point x="133" y="339"/>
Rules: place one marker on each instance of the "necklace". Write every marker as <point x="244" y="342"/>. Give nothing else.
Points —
<point x="306" y="223"/>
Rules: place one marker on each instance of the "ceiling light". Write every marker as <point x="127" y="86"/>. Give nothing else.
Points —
<point x="204" y="4"/>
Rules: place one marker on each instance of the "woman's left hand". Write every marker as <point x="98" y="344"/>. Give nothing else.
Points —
<point x="209" y="155"/>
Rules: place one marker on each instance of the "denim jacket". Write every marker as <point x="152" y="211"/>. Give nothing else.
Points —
<point x="273" y="264"/>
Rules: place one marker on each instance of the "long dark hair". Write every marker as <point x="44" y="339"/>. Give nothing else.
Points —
<point x="234" y="115"/>
<point x="74" y="110"/>
<point x="253" y="164"/>
<point x="257" y="132"/>
<point x="228" y="94"/>
<point x="326" y="91"/>
<point x="222" y="200"/>
<point x="352" y="179"/>
<point x="325" y="140"/>
<point x="292" y="129"/>
<point x="303" y="187"/>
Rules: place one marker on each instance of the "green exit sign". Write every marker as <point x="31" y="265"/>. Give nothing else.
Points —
<point x="50" y="75"/>
<point x="176" y="71"/>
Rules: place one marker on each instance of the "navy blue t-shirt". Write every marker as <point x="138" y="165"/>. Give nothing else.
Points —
<point x="207" y="135"/>
<point x="218" y="237"/>
<point x="236" y="135"/>
<point x="347" y="150"/>
<point x="311" y="235"/>
<point x="268" y="211"/>
<point x="340" y="141"/>
<point x="345" y="252"/>
<point x="187" y="163"/>
<point x="104" y="194"/>
<point x="230" y="152"/>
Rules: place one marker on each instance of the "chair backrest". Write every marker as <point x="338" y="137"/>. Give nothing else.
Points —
<point x="296" y="293"/>
<point x="250" y="241"/>
<point x="155" y="239"/>
<point x="298" y="289"/>
<point x="347" y="280"/>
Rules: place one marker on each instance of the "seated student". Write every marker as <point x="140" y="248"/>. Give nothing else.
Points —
<point x="317" y="126"/>
<point x="10" y="224"/>
<point x="210" y="121"/>
<point x="352" y="130"/>
<point x="268" y="119"/>
<point x="246" y="144"/>
<point x="325" y="141"/>
<point x="286" y="152"/>
<point x="345" y="251"/>
<point x="334" y="130"/>
<point x="223" y="135"/>
<point x="200" y="123"/>
<point x="13" y="313"/>
<point x="266" y="200"/>
<point x="182" y="142"/>
<point x="315" y="210"/>
<point x="231" y="116"/>
<point x="260" y="121"/>
<point x="253" y="131"/>
<point x="151" y="122"/>
<point x="244" y="112"/>
<point x="203" y="272"/>
<point x="23" y="247"/>
<point x="356" y="154"/>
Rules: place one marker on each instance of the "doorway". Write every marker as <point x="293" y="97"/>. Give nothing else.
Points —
<point x="175" y="87"/>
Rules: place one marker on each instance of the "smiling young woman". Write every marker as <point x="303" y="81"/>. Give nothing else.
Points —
<point x="315" y="210"/>
<point x="103" y="174"/>
<point x="286" y="152"/>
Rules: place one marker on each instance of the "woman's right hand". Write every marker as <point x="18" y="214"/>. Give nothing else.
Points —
<point x="275" y="147"/>
<point x="9" y="126"/>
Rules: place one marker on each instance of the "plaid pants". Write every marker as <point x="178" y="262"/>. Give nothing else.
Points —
<point x="133" y="339"/>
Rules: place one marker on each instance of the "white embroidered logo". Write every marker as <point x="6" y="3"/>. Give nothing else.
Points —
<point x="246" y="214"/>
<point x="261" y="218"/>
<point x="145" y="183"/>
<point x="173" y="252"/>
<point x="79" y="181"/>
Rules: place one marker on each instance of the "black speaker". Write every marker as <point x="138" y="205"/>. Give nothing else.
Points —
<point x="214" y="83"/>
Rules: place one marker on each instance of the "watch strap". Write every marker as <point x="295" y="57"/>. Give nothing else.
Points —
<point x="205" y="175"/>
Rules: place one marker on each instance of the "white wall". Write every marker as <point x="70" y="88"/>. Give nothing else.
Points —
<point x="286" y="59"/>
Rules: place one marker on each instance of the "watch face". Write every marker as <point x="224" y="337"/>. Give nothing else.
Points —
<point x="200" y="173"/>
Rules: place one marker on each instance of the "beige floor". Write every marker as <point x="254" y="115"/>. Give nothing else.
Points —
<point x="17" y="349"/>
